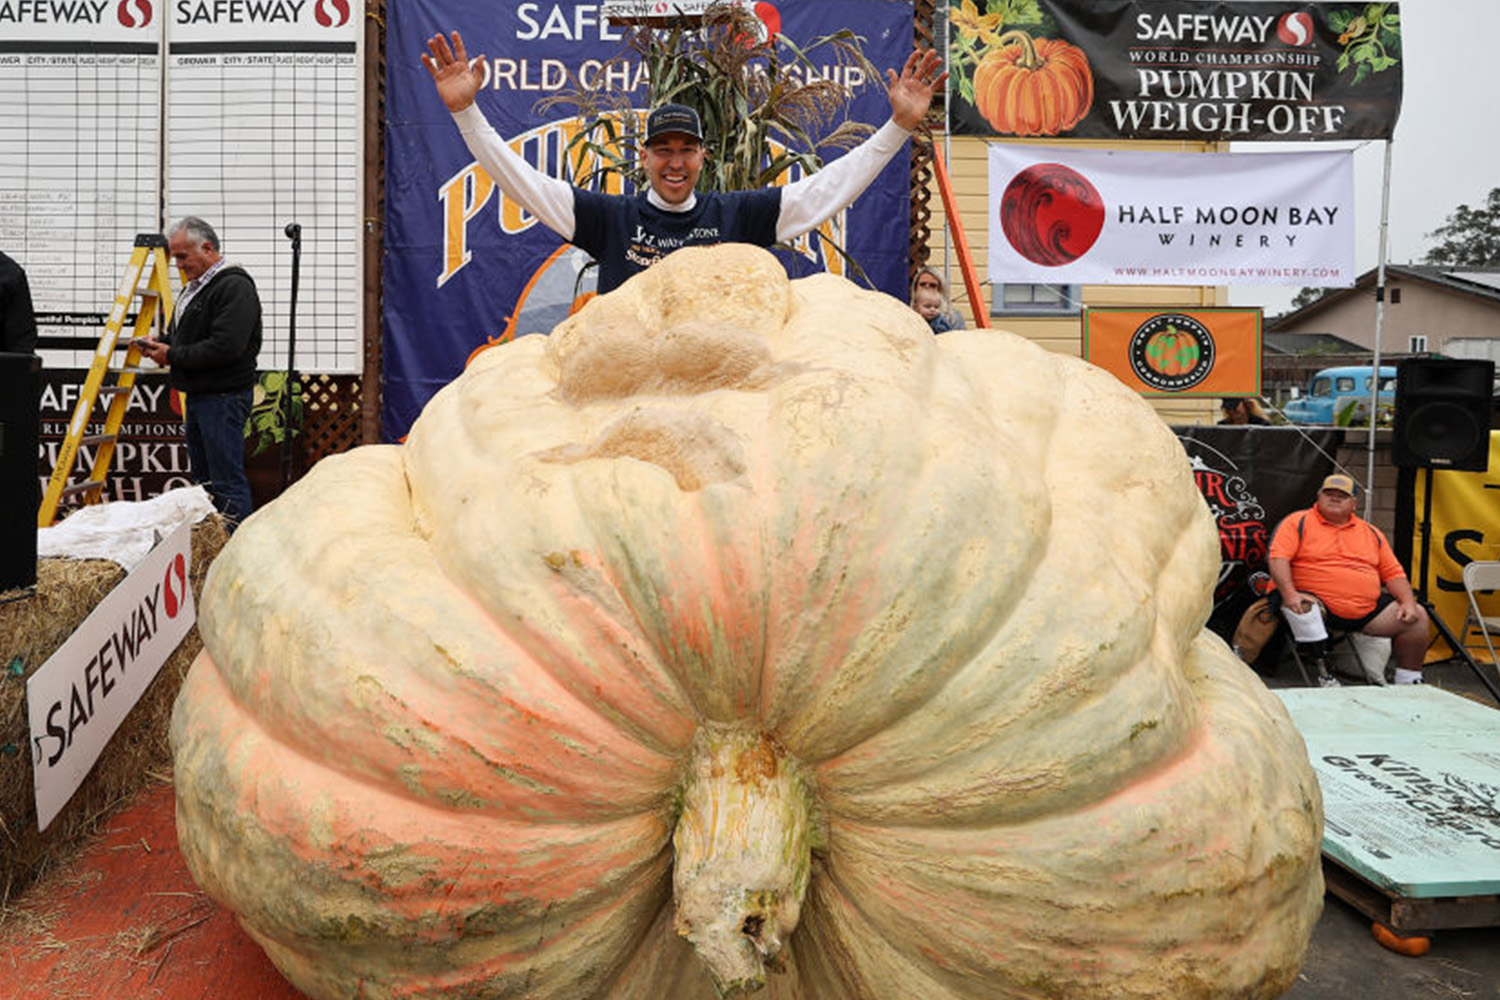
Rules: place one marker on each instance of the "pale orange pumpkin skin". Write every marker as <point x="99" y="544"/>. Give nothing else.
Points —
<point x="445" y="723"/>
<point x="1041" y="87"/>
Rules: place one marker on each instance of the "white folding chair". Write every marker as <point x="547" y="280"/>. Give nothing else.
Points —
<point x="1479" y="577"/>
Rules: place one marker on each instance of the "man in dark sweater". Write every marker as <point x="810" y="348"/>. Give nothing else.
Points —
<point x="211" y="347"/>
<point x="17" y="321"/>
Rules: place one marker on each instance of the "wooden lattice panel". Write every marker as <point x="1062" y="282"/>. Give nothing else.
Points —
<point x="921" y="154"/>
<point x="330" y="415"/>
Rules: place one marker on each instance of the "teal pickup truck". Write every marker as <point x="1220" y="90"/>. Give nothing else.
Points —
<point x="1341" y="397"/>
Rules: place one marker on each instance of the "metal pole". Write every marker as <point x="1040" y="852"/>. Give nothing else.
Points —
<point x="1385" y="216"/>
<point x="294" y="233"/>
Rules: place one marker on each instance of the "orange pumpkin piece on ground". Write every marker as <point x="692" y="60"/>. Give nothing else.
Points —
<point x="733" y="637"/>
<point x="1415" y="946"/>
<point x="1025" y="86"/>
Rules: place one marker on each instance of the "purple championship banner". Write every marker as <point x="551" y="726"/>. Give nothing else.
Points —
<point x="465" y="266"/>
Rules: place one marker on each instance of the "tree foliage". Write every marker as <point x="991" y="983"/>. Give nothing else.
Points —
<point x="1307" y="296"/>
<point x="1470" y="237"/>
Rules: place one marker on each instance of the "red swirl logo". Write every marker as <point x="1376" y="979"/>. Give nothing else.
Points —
<point x="337" y="19"/>
<point x="1051" y="214"/>
<point x="134" y="13"/>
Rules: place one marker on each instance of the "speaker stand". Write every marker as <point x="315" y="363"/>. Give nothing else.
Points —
<point x="1458" y="649"/>
<point x="1437" y="620"/>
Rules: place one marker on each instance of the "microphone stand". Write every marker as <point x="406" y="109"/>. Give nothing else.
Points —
<point x="294" y="233"/>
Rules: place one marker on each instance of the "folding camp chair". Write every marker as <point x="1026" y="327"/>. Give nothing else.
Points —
<point x="1338" y="644"/>
<point x="1481" y="577"/>
<point x="1324" y="678"/>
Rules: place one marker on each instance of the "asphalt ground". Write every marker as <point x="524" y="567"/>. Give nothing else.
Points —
<point x="1344" y="962"/>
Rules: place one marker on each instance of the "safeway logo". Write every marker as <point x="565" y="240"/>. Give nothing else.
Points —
<point x="337" y="19"/>
<point x="1295" y="29"/>
<point x="134" y="13"/>
<point x="174" y="586"/>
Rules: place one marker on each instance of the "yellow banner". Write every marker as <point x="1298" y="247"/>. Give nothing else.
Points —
<point x="1465" y="528"/>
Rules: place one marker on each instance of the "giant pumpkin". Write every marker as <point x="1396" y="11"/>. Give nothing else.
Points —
<point x="742" y="633"/>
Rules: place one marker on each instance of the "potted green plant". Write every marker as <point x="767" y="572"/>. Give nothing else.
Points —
<point x="274" y="420"/>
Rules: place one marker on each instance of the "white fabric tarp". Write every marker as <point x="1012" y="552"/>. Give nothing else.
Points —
<point x="123" y="531"/>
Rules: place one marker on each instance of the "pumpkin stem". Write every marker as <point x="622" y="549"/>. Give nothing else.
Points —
<point x="1029" y="57"/>
<point x="744" y="853"/>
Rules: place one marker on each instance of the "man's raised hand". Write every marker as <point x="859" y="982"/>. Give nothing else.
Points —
<point x="911" y="92"/>
<point x="457" y="82"/>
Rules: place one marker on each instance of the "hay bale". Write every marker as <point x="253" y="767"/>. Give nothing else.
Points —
<point x="31" y="630"/>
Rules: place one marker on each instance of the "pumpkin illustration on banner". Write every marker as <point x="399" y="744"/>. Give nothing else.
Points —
<point x="1172" y="351"/>
<point x="1033" y="87"/>
<point x="732" y="637"/>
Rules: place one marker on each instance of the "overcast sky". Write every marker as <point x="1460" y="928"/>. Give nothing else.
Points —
<point x="1447" y="146"/>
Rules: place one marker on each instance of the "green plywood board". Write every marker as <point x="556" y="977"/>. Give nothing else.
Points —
<point x="1411" y="785"/>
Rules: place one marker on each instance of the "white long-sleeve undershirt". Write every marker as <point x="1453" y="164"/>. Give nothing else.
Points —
<point x="804" y="203"/>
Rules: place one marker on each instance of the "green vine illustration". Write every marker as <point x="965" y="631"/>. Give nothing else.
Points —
<point x="267" y="423"/>
<point x="971" y="34"/>
<point x="1371" y="38"/>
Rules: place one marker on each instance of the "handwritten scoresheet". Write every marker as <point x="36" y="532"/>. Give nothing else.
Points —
<point x="263" y="126"/>
<point x="79" y="167"/>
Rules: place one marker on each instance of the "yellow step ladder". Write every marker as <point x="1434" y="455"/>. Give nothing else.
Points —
<point x="146" y="278"/>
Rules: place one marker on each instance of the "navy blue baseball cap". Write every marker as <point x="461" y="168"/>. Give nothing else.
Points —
<point x="673" y="119"/>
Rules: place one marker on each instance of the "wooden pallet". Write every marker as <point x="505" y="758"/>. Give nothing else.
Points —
<point x="1411" y="798"/>
<point x="1405" y="915"/>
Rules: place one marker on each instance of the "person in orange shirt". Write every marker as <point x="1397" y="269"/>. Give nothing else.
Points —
<point x="1328" y="556"/>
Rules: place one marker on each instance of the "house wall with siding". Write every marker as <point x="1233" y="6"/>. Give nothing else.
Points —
<point x="1424" y="309"/>
<point x="968" y="168"/>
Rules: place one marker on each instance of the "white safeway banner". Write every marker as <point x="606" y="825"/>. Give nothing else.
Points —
<point x="78" y="698"/>
<point x="1065" y="216"/>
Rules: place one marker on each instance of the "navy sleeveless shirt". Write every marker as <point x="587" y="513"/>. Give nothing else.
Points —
<point x="626" y="235"/>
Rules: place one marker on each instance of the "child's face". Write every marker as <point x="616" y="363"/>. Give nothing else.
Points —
<point x="928" y="306"/>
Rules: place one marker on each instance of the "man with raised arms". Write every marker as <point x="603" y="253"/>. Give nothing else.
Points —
<point x="627" y="234"/>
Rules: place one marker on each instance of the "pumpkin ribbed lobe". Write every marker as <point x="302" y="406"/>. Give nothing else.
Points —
<point x="744" y="853"/>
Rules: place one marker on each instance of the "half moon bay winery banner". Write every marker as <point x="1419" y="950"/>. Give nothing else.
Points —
<point x="1174" y="69"/>
<point x="1088" y="216"/>
<point x="464" y="265"/>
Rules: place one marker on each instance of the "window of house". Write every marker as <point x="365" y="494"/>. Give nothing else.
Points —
<point x="1417" y="344"/>
<point x="1395" y="296"/>
<point x="1014" y="299"/>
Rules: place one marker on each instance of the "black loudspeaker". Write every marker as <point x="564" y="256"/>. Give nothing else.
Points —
<point x="1443" y="414"/>
<point x="20" y="487"/>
